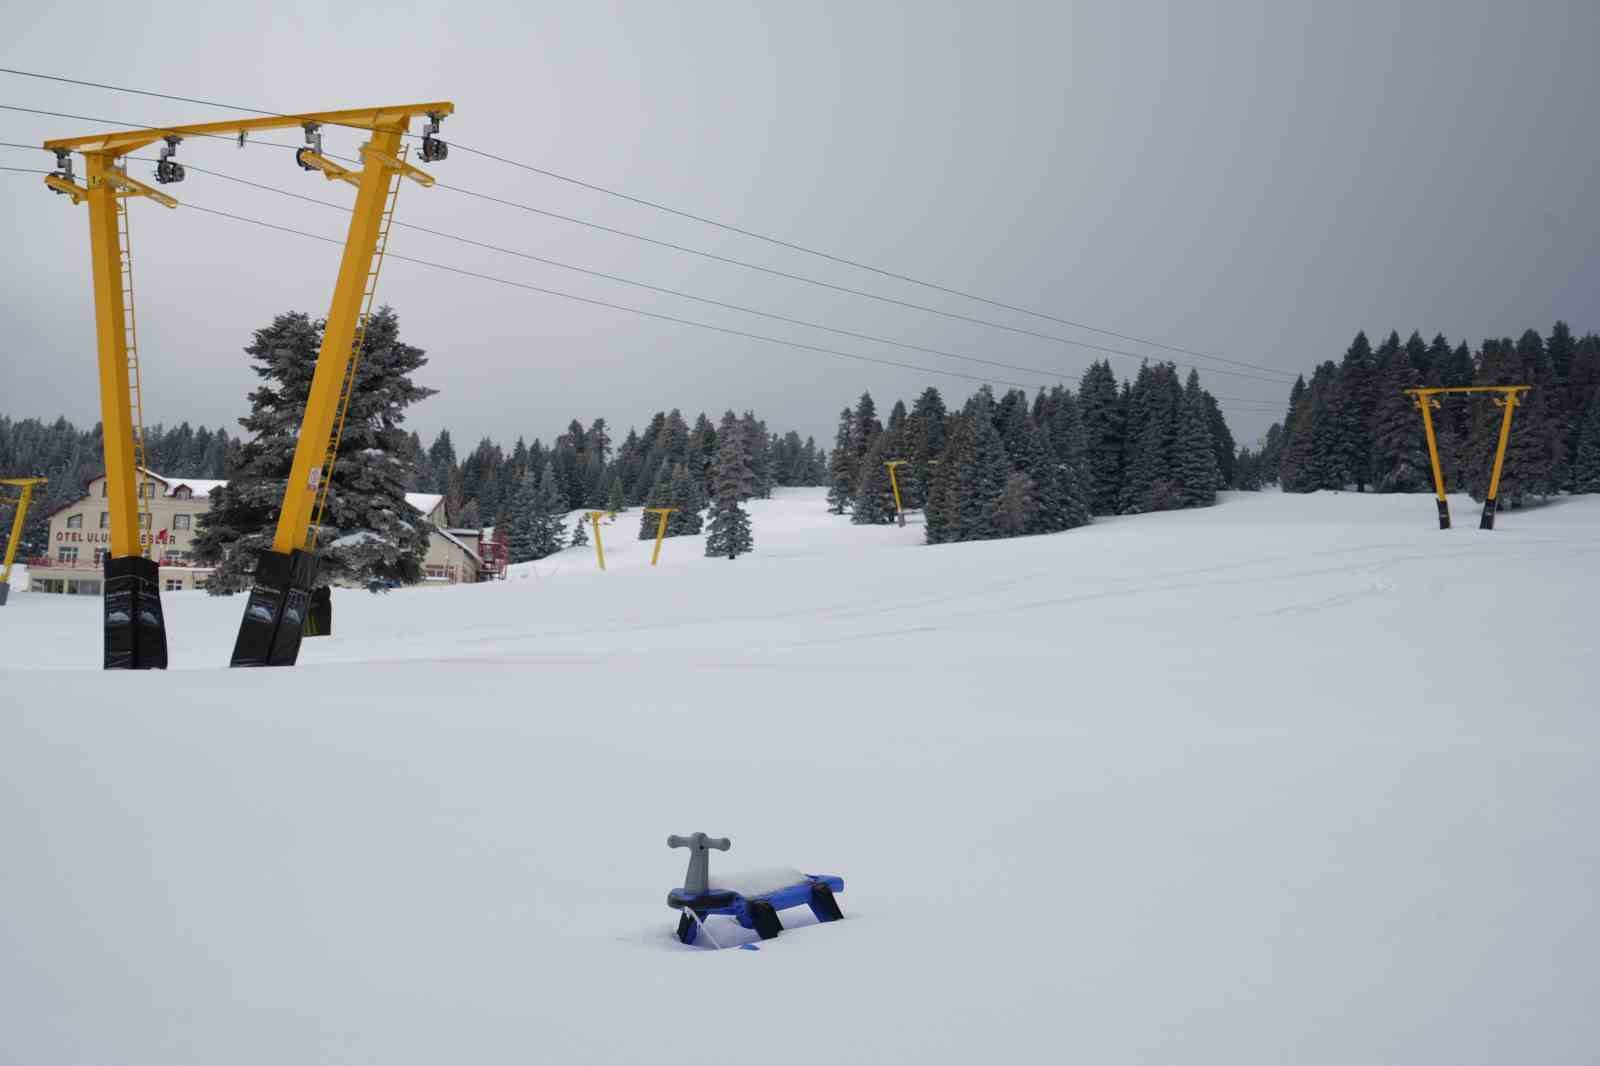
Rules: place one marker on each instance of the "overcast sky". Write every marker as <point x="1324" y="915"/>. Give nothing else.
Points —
<point x="1253" y="180"/>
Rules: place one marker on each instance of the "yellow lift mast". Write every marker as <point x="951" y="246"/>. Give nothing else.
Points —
<point x="661" y="530"/>
<point x="27" y="485"/>
<point x="894" y="483"/>
<point x="1426" y="401"/>
<point x="135" y="635"/>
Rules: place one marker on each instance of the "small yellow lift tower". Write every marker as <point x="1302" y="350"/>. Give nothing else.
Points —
<point x="26" y="484"/>
<point x="135" y="632"/>
<point x="1425" y="399"/>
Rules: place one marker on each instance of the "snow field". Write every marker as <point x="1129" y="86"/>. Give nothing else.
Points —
<point x="1292" y="779"/>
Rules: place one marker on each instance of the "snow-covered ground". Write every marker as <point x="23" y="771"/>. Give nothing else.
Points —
<point x="1296" y="779"/>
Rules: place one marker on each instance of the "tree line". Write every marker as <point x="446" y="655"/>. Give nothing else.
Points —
<point x="1010" y="466"/>
<point x="1351" y="426"/>
<point x="672" y="464"/>
<point x="70" y="457"/>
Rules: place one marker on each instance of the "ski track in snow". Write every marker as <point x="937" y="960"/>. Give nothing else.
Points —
<point x="1292" y="779"/>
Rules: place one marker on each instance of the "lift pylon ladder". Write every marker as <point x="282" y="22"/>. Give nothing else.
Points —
<point x="135" y="634"/>
<point x="27" y="485"/>
<point x="1427" y="402"/>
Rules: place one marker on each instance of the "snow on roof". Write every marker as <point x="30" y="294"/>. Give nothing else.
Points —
<point x="198" y="486"/>
<point x="424" y="502"/>
<point x="453" y="539"/>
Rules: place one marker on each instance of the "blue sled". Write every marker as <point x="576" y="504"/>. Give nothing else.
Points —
<point x="758" y="912"/>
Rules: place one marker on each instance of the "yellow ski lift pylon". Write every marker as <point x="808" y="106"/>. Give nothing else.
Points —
<point x="894" y="483"/>
<point x="269" y="635"/>
<point x="1426" y="401"/>
<point x="27" y="485"/>
<point x="661" y="530"/>
<point x="599" y="549"/>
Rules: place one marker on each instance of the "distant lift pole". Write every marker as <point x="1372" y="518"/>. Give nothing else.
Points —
<point x="894" y="483"/>
<point x="26" y="484"/>
<point x="135" y="631"/>
<point x="661" y="530"/>
<point x="1426" y="401"/>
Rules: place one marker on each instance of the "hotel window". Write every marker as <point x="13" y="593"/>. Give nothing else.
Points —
<point x="183" y="493"/>
<point x="105" y="488"/>
<point x="174" y="584"/>
<point x="67" y="554"/>
<point x="105" y="519"/>
<point x="100" y="556"/>
<point x="74" y="521"/>
<point x="180" y="521"/>
<point x="144" y="519"/>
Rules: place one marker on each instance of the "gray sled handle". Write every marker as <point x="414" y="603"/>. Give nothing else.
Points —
<point x="696" y="880"/>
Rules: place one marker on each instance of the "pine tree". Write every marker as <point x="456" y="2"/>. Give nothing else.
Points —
<point x="1103" y="419"/>
<point x="368" y="529"/>
<point x="521" y="524"/>
<point x="842" y="466"/>
<point x="1197" y="475"/>
<point x="1586" y="467"/>
<point x="732" y="481"/>
<point x="615" y="503"/>
<point x="1292" y="453"/>
<point x="1399" y="445"/>
<point x="873" y="504"/>
<point x="580" y="533"/>
<point x="658" y="496"/>
<point x="980" y="474"/>
<point x="1353" y="401"/>
<point x="685" y="497"/>
<point x="1069" y="449"/>
<point x="549" y="510"/>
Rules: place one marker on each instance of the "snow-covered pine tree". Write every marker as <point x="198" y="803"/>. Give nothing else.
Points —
<point x="1070" y="451"/>
<point x="981" y="470"/>
<point x="521" y="521"/>
<point x="683" y="494"/>
<point x="874" y="499"/>
<point x="1102" y="418"/>
<point x="924" y="435"/>
<point x="549" y="511"/>
<point x="842" y="466"/>
<point x="864" y="426"/>
<point x="732" y="483"/>
<point x="1197" y="476"/>
<point x="1399" y="445"/>
<point x="658" y="496"/>
<point x="615" y="501"/>
<point x="1354" y="398"/>
<point x="369" y="531"/>
<point x="580" y="533"/>
<point x="1586" y="466"/>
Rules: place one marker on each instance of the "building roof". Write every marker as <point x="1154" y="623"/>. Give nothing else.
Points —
<point x="424" y="502"/>
<point x="453" y="539"/>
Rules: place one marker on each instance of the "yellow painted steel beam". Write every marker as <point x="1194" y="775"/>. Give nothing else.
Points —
<point x="393" y="118"/>
<point x="1466" y="388"/>
<point x="17" y="521"/>
<point x="599" y="549"/>
<point x="116" y="410"/>
<point x="661" y="530"/>
<point x="330" y="170"/>
<point x="894" y="483"/>
<point x="1491" y="502"/>
<point x="134" y="187"/>
<point x="333" y="360"/>
<point x="1426" y="404"/>
<point x="76" y="192"/>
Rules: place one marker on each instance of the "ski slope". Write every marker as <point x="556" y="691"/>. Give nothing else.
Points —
<point x="1294" y="779"/>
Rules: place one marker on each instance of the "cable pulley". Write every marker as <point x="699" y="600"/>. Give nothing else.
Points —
<point x="168" y="170"/>
<point x="63" y="170"/>
<point x="313" y="145"/>
<point x="433" y="149"/>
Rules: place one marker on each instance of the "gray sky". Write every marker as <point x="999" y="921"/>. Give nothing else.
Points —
<point x="1253" y="180"/>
